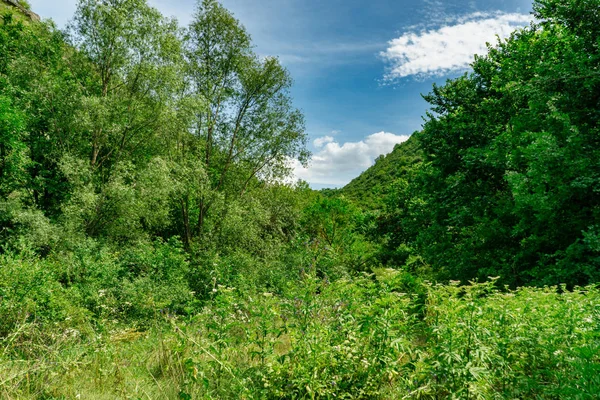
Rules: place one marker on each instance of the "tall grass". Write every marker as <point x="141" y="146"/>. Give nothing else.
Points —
<point x="386" y="337"/>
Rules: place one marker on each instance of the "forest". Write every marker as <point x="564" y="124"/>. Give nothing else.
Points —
<point x="153" y="247"/>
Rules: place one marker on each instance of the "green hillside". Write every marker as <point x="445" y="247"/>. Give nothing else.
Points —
<point x="371" y="187"/>
<point x="6" y="8"/>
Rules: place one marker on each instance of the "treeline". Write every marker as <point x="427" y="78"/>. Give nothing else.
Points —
<point x="127" y="126"/>
<point x="509" y="184"/>
<point x="142" y="165"/>
<point x="373" y="188"/>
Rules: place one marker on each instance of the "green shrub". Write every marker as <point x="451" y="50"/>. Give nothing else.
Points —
<point x="31" y="299"/>
<point x="528" y="343"/>
<point x="345" y="339"/>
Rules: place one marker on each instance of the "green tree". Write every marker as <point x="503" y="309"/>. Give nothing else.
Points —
<point x="130" y="79"/>
<point x="128" y="61"/>
<point x="14" y="158"/>
<point x="509" y="183"/>
<point x="246" y="128"/>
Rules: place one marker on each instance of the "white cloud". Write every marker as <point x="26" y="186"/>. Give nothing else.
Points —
<point x="336" y="165"/>
<point x="322" y="141"/>
<point x="450" y="48"/>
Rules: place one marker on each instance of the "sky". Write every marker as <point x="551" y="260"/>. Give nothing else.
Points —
<point x="359" y="66"/>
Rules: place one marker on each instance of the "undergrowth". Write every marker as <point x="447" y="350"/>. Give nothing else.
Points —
<point x="385" y="336"/>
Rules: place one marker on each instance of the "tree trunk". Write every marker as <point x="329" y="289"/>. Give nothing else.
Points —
<point x="185" y="214"/>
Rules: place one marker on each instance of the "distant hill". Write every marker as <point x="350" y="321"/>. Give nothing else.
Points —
<point x="21" y="7"/>
<point x="370" y="188"/>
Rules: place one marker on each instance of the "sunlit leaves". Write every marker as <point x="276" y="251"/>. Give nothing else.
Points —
<point x="512" y="151"/>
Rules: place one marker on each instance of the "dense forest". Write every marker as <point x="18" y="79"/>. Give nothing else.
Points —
<point x="151" y="247"/>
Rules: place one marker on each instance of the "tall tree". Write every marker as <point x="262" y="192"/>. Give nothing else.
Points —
<point x="247" y="128"/>
<point x="129" y="65"/>
<point x="133" y="53"/>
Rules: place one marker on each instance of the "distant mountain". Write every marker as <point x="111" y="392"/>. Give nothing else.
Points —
<point x="370" y="188"/>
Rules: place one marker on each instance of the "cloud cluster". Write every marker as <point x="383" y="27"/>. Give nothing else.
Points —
<point x="336" y="165"/>
<point x="450" y="48"/>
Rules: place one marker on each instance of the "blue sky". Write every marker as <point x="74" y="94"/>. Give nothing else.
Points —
<point x="359" y="66"/>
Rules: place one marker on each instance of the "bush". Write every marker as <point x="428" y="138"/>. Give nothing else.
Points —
<point x="347" y="339"/>
<point x="528" y="343"/>
<point x="32" y="298"/>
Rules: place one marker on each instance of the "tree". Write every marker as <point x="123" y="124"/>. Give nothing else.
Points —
<point x="510" y="178"/>
<point x="14" y="157"/>
<point x="129" y="80"/>
<point x="247" y="128"/>
<point x="128" y="63"/>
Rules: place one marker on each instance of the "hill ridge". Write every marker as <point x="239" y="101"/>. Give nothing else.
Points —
<point x="370" y="188"/>
<point x="14" y="3"/>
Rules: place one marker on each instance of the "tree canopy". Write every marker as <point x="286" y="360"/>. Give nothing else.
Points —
<point x="509" y="182"/>
<point x="127" y="124"/>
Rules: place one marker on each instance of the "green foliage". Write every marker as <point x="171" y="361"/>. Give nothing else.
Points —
<point x="246" y="128"/>
<point x="32" y="296"/>
<point x="319" y="340"/>
<point x="148" y="248"/>
<point x="132" y="284"/>
<point x="132" y="202"/>
<point x="334" y="231"/>
<point x="370" y="188"/>
<point x="24" y="228"/>
<point x="509" y="182"/>
<point x="359" y="338"/>
<point x="119" y="134"/>
<point x="25" y="4"/>
<point x="531" y="343"/>
<point x="14" y="159"/>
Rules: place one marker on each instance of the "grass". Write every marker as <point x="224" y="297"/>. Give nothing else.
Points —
<point x="359" y="338"/>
